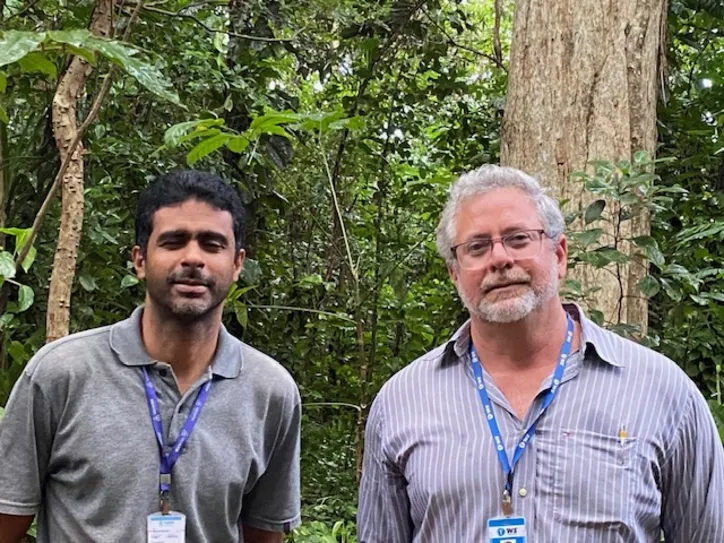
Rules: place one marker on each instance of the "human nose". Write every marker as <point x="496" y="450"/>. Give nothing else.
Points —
<point x="193" y="256"/>
<point x="498" y="257"/>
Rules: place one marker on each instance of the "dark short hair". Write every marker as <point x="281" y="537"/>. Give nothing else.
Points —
<point x="179" y="186"/>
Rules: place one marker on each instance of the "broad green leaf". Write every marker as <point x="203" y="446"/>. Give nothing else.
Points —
<point x="275" y="129"/>
<point x="77" y="37"/>
<point x="129" y="281"/>
<point x="88" y="283"/>
<point x="207" y="147"/>
<point x="593" y="211"/>
<point x="3" y="82"/>
<point x="4" y="115"/>
<point x="38" y="62"/>
<point x="7" y="265"/>
<point x="17" y="352"/>
<point x="14" y="45"/>
<point x="590" y="236"/>
<point x="649" y="286"/>
<point x="173" y="135"/>
<point x="644" y="242"/>
<point x="123" y="56"/>
<point x="272" y="119"/>
<point x="26" y="297"/>
<point x="655" y="256"/>
<point x="237" y="144"/>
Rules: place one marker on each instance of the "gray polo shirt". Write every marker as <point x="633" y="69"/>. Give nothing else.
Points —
<point x="627" y="449"/>
<point x="78" y="448"/>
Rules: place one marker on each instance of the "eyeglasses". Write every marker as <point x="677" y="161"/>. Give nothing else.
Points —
<point x="519" y="245"/>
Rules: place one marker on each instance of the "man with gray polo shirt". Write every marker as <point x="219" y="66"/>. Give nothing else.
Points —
<point x="162" y="427"/>
<point x="532" y="424"/>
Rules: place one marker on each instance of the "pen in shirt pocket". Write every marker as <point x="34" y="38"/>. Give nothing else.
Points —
<point x="622" y="435"/>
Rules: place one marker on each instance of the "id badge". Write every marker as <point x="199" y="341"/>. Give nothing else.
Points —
<point x="506" y="530"/>
<point x="169" y="528"/>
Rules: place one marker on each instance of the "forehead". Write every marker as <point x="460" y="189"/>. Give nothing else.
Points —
<point x="496" y="212"/>
<point x="192" y="216"/>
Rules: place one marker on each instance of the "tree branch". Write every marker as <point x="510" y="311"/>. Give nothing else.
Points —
<point x="90" y="118"/>
<point x="214" y="30"/>
<point x="452" y="41"/>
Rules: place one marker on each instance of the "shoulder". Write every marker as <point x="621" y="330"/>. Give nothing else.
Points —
<point x="266" y="373"/>
<point x="648" y="369"/>
<point x="412" y="377"/>
<point x="70" y="354"/>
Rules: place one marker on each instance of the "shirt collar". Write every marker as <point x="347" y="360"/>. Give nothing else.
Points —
<point x="127" y="343"/>
<point x="592" y="336"/>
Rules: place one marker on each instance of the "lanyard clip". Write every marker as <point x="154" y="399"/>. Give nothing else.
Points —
<point x="164" y="503"/>
<point x="507" y="503"/>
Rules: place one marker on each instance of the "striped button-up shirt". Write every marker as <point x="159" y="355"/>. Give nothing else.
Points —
<point x="627" y="449"/>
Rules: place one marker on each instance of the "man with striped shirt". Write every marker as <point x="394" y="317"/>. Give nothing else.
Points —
<point x="533" y="424"/>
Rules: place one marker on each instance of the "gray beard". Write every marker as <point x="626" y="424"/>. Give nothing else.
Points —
<point x="513" y="309"/>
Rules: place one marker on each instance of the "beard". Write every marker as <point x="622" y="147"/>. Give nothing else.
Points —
<point x="509" y="307"/>
<point x="187" y="308"/>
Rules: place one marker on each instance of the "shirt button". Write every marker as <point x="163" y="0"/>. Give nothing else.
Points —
<point x="522" y="492"/>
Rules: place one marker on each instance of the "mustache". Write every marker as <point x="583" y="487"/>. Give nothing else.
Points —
<point x="491" y="283"/>
<point x="191" y="276"/>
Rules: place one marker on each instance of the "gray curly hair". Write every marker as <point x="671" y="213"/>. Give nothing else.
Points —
<point x="487" y="179"/>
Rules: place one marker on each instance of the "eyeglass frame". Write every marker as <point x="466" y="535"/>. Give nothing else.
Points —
<point x="500" y="239"/>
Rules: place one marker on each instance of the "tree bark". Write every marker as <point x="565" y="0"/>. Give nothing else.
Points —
<point x="582" y="87"/>
<point x="65" y="127"/>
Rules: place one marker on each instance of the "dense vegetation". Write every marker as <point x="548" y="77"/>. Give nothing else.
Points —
<point x="342" y="125"/>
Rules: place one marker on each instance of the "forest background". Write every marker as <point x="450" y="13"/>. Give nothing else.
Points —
<point x="342" y="124"/>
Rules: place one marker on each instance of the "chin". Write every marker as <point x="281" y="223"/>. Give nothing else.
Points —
<point x="507" y="311"/>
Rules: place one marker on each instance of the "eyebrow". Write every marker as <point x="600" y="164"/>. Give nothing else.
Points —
<point x="203" y="235"/>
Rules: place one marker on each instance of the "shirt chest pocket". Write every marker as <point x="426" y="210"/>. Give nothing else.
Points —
<point x="592" y="479"/>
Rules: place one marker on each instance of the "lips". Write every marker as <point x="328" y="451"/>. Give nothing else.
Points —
<point x="503" y="285"/>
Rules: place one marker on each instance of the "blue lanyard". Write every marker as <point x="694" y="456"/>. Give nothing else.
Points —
<point x="508" y="467"/>
<point x="169" y="459"/>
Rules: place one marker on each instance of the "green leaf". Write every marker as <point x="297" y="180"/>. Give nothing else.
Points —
<point x="26" y="297"/>
<point x="274" y="129"/>
<point x="593" y="211"/>
<point x="17" y="352"/>
<point x="4" y="115"/>
<point x="28" y="262"/>
<point x="644" y="242"/>
<point x="649" y="286"/>
<point x="129" y="281"/>
<point x="177" y="133"/>
<point x="123" y="56"/>
<point x="237" y="144"/>
<point x="88" y="283"/>
<point x="590" y="236"/>
<point x="7" y="265"/>
<point x="272" y="119"/>
<point x="207" y="147"/>
<point x="3" y="83"/>
<point x="655" y="256"/>
<point x="242" y="316"/>
<point x="14" y="45"/>
<point x="38" y="62"/>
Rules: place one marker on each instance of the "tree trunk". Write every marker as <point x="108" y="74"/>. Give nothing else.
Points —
<point x="582" y="87"/>
<point x="65" y="127"/>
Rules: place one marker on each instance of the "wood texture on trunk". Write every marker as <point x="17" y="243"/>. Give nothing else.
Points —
<point x="65" y="126"/>
<point x="582" y="86"/>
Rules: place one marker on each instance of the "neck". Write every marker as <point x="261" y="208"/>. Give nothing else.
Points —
<point x="188" y="347"/>
<point x="531" y="343"/>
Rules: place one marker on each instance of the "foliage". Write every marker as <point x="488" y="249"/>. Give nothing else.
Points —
<point x="341" y="124"/>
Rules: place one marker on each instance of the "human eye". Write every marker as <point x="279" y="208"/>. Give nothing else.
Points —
<point x="477" y="247"/>
<point x="517" y="239"/>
